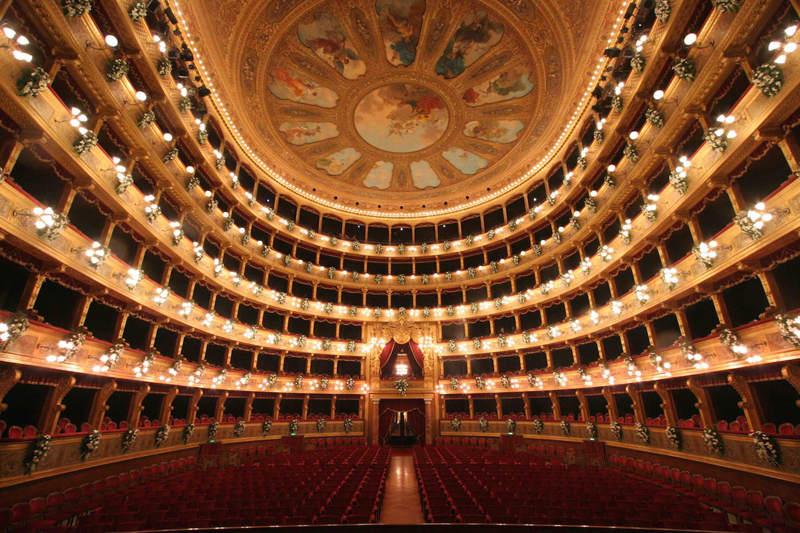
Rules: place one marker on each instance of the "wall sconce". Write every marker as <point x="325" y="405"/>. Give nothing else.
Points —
<point x="76" y="119"/>
<point x="110" y="40"/>
<point x="690" y="41"/>
<point x="786" y="48"/>
<point x="141" y="97"/>
<point x="658" y="96"/>
<point x="14" y="42"/>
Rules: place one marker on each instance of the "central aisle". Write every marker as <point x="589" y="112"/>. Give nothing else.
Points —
<point x="401" y="504"/>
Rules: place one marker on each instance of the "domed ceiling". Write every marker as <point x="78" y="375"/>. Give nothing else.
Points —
<point x="378" y="104"/>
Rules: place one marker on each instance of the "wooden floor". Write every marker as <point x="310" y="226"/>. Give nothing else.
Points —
<point x="401" y="504"/>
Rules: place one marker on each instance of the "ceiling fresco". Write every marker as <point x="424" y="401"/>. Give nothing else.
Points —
<point x="398" y="101"/>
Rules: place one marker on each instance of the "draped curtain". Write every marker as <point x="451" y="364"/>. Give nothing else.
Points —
<point x="416" y="417"/>
<point x="389" y="356"/>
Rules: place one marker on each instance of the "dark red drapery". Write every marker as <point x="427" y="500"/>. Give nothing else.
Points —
<point x="415" y="410"/>
<point x="387" y="352"/>
<point x="389" y="355"/>
<point x="416" y="353"/>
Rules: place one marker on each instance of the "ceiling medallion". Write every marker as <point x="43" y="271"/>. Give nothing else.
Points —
<point x="401" y="117"/>
<point x="311" y="78"/>
<point x="421" y="112"/>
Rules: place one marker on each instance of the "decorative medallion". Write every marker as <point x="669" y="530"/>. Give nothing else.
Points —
<point x="401" y="117"/>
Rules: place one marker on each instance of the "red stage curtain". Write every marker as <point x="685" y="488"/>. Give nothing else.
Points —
<point x="389" y="357"/>
<point x="387" y="352"/>
<point x="416" y="417"/>
<point x="417" y="354"/>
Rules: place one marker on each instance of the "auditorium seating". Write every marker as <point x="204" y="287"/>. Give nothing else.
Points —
<point x="66" y="508"/>
<point x="325" y="486"/>
<point x="465" y="484"/>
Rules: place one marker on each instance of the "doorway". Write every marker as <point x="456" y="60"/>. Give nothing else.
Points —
<point x="401" y="422"/>
<point x="402" y="433"/>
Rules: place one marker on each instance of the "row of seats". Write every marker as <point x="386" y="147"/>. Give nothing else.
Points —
<point x="64" y="508"/>
<point x="479" y="485"/>
<point x="336" y="441"/>
<point x="745" y="507"/>
<point x="331" y="486"/>
<point x="466" y="441"/>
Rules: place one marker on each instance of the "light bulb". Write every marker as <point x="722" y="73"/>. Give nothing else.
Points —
<point x="141" y="96"/>
<point x="168" y="137"/>
<point x="690" y="39"/>
<point x="112" y="41"/>
<point x="658" y="95"/>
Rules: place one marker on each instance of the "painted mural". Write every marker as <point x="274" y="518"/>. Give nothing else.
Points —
<point x="401" y="22"/>
<point x="401" y="117"/>
<point x="326" y="38"/>
<point x="476" y="35"/>
<point x="423" y="176"/>
<point x="289" y="85"/>
<point x="380" y="175"/>
<point x="300" y="133"/>
<point x="336" y="163"/>
<point x="514" y="83"/>
<point x="465" y="162"/>
<point x="496" y="131"/>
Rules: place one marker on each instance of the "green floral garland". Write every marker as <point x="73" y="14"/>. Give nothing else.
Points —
<point x="116" y="69"/>
<point x="617" y="103"/>
<point x="147" y="118"/>
<point x="599" y="136"/>
<point x="129" y="438"/>
<point x="684" y="69"/>
<point x="713" y="441"/>
<point x="238" y="429"/>
<point x="679" y="181"/>
<point x="84" y="143"/>
<point x="654" y="117"/>
<point x="718" y="143"/>
<point x="766" y="448"/>
<point x="616" y="430"/>
<point x="674" y="438"/>
<point x="32" y="82"/>
<point x="164" y="66"/>
<point x="76" y="8"/>
<point x="726" y="6"/>
<point x="213" y="427"/>
<point x="185" y="104"/>
<point x="642" y="433"/>
<point x="162" y="435"/>
<point x="638" y="63"/>
<point x="401" y="385"/>
<point x="187" y="433"/>
<point x="137" y="11"/>
<point x="511" y="426"/>
<point x="630" y="152"/>
<point x="663" y="10"/>
<point x="90" y="444"/>
<point x="768" y="78"/>
<point x="38" y="453"/>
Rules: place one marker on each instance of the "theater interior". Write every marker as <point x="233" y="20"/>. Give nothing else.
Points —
<point x="408" y="265"/>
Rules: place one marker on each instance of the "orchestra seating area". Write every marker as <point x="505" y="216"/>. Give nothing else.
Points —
<point x="323" y="486"/>
<point x="467" y="484"/>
